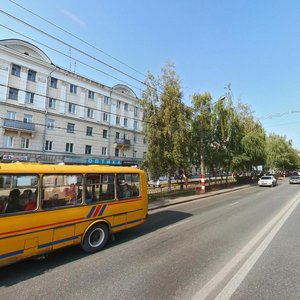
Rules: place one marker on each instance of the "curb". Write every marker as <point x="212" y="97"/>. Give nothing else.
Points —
<point x="209" y="194"/>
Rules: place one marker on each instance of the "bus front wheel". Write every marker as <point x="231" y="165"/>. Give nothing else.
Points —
<point x="95" y="238"/>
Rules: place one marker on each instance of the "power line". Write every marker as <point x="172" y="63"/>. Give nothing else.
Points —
<point x="66" y="55"/>
<point x="78" y="38"/>
<point x="86" y="107"/>
<point x="70" y="46"/>
<point x="85" y="137"/>
<point x="78" y="105"/>
<point x="279" y="115"/>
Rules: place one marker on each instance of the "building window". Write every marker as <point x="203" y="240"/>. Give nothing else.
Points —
<point x="72" y="108"/>
<point x="25" y="143"/>
<point x="117" y="120"/>
<point x="27" y="118"/>
<point x="134" y="154"/>
<point x="135" y="111"/>
<point x="8" y="141"/>
<point x="16" y="70"/>
<point x="13" y="94"/>
<point x="134" y="139"/>
<point x="105" y="117"/>
<point x="50" y="123"/>
<point x="52" y="103"/>
<point x="69" y="147"/>
<point x="88" y="149"/>
<point x="90" y="113"/>
<point x="117" y="152"/>
<point x="135" y="125"/>
<point x="144" y="141"/>
<point x="89" y="131"/>
<point x="73" y="88"/>
<point x="70" y="127"/>
<point x="29" y="97"/>
<point x="53" y="82"/>
<point x="91" y="95"/>
<point x="126" y="106"/>
<point x="118" y="104"/>
<point x="117" y="135"/>
<point x="11" y="115"/>
<point x="31" y="75"/>
<point x="104" y="134"/>
<point x="125" y="122"/>
<point x="48" y="146"/>
<point x="104" y="151"/>
<point x="106" y="100"/>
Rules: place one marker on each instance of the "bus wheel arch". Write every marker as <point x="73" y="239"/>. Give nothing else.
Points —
<point x="95" y="238"/>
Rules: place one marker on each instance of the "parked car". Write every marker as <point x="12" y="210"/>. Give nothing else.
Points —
<point x="269" y="180"/>
<point x="294" y="179"/>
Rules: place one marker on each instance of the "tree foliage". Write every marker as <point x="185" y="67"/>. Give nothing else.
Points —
<point x="209" y="135"/>
<point x="166" y="124"/>
<point x="280" y="153"/>
<point x="201" y="130"/>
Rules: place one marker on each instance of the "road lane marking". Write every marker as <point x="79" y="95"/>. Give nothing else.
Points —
<point x="235" y="282"/>
<point x="234" y="203"/>
<point x="272" y="227"/>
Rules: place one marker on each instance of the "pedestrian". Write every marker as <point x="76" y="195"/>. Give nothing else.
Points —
<point x="158" y="183"/>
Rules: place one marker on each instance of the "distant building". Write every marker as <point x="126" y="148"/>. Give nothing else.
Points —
<point x="52" y="115"/>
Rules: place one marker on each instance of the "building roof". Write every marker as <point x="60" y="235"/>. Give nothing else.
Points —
<point x="25" y="48"/>
<point x="31" y="50"/>
<point x="124" y="89"/>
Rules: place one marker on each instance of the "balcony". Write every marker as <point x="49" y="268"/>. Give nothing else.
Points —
<point x="122" y="143"/>
<point x="19" y="126"/>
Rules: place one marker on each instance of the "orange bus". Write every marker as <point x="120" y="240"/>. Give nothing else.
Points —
<point x="47" y="207"/>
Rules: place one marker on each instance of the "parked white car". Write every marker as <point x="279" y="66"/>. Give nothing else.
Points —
<point x="267" y="181"/>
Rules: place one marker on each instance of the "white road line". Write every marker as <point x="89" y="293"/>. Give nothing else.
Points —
<point x="235" y="282"/>
<point x="274" y="225"/>
<point x="234" y="203"/>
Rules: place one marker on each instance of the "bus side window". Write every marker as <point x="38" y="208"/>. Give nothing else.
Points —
<point x="61" y="190"/>
<point x="128" y="186"/>
<point x="107" y="187"/>
<point x="17" y="193"/>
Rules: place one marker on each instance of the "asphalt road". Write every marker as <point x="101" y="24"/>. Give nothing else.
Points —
<point x="240" y="245"/>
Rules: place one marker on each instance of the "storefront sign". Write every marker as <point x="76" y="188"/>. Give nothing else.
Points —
<point x="14" y="157"/>
<point x="104" y="162"/>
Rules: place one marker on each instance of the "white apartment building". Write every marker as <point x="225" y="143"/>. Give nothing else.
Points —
<point x="52" y="115"/>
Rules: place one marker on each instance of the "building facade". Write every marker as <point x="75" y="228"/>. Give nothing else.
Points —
<point x="49" y="114"/>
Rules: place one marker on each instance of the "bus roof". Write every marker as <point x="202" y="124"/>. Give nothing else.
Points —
<point x="38" y="168"/>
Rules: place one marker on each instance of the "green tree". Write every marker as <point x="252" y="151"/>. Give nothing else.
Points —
<point x="226" y="133"/>
<point x="166" y="124"/>
<point x="151" y="126"/>
<point x="201" y="131"/>
<point x="252" y="140"/>
<point x="280" y="153"/>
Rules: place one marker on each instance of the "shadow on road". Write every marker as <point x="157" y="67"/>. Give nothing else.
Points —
<point x="155" y="221"/>
<point x="24" y="270"/>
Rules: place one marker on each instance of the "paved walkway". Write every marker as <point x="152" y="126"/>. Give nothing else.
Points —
<point x="169" y="202"/>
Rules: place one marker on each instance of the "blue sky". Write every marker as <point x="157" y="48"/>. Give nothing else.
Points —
<point x="253" y="45"/>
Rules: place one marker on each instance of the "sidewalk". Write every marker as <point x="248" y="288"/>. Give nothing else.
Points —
<point x="169" y="202"/>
